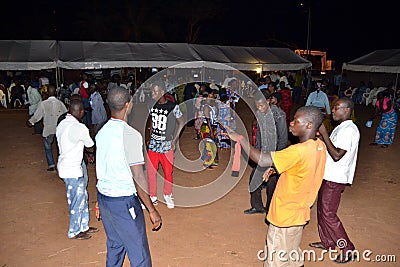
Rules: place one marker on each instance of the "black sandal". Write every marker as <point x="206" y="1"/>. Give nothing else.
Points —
<point x="342" y="260"/>
<point x="91" y="230"/>
<point x="82" y="236"/>
<point x="317" y="245"/>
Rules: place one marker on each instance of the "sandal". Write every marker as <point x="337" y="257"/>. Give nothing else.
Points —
<point x="384" y="146"/>
<point x="341" y="260"/>
<point x="82" y="236"/>
<point x="317" y="245"/>
<point x="91" y="230"/>
<point x="373" y="144"/>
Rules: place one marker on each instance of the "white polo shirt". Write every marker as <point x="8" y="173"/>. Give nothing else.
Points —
<point x="118" y="146"/>
<point x="345" y="136"/>
<point x="72" y="137"/>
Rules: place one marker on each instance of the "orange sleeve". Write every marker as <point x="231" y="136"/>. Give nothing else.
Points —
<point x="285" y="159"/>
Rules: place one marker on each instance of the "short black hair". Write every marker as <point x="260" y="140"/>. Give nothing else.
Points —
<point x="348" y="103"/>
<point x="262" y="95"/>
<point x="313" y="115"/>
<point x="117" y="97"/>
<point x="76" y="97"/>
<point x="75" y="106"/>
<point x="159" y="84"/>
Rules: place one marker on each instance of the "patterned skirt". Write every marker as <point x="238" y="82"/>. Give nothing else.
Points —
<point x="386" y="128"/>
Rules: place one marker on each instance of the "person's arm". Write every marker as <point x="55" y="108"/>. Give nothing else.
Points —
<point x="388" y="106"/>
<point x="37" y="116"/>
<point x="376" y="111"/>
<point x="180" y="123"/>
<point x="282" y="133"/>
<point x="309" y="101"/>
<point x="327" y="105"/>
<point x="262" y="159"/>
<point x="140" y="182"/>
<point x="336" y="153"/>
<point x="149" y="128"/>
<point x="35" y="98"/>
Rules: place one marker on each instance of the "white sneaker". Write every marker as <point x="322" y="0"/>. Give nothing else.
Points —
<point x="169" y="200"/>
<point x="154" y="200"/>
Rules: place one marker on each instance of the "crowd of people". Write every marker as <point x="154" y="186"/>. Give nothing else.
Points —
<point x="89" y="119"/>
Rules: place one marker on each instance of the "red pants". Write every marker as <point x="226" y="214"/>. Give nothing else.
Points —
<point x="167" y="162"/>
<point x="330" y="227"/>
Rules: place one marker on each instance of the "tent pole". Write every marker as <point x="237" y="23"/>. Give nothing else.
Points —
<point x="340" y="84"/>
<point x="62" y="75"/>
<point x="57" y="77"/>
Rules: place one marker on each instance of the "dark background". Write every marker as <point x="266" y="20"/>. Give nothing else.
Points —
<point x="344" y="29"/>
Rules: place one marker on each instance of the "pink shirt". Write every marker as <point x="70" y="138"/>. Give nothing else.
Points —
<point x="385" y="104"/>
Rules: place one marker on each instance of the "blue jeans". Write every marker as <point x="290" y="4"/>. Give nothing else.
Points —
<point x="77" y="199"/>
<point x="125" y="228"/>
<point x="48" y="141"/>
<point x="85" y="174"/>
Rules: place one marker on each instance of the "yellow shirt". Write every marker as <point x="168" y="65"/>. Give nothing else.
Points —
<point x="302" y="168"/>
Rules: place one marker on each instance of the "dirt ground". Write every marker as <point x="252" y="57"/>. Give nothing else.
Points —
<point x="34" y="212"/>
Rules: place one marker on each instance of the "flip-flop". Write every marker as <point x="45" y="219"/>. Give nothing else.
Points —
<point x="317" y="245"/>
<point x="342" y="260"/>
<point x="91" y="230"/>
<point x="82" y="236"/>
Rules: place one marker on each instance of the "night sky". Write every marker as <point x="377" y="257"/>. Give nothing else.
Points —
<point x="344" y="29"/>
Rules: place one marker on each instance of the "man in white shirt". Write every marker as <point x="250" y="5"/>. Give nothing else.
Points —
<point x="34" y="100"/>
<point x="49" y="110"/>
<point x="342" y="149"/>
<point x="72" y="137"/>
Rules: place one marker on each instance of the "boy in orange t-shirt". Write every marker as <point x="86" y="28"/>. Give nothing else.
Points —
<point x="301" y="167"/>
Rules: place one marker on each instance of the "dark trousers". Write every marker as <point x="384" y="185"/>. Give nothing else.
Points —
<point x="125" y="228"/>
<point x="330" y="228"/>
<point x="255" y="196"/>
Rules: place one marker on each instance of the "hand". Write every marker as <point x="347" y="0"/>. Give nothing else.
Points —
<point x="173" y="146"/>
<point x="270" y="171"/>
<point x="155" y="220"/>
<point x="29" y="124"/>
<point x="90" y="158"/>
<point x="232" y="134"/>
<point x="97" y="211"/>
<point x="212" y="136"/>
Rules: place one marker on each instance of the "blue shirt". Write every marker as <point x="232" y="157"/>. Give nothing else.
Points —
<point x="320" y="100"/>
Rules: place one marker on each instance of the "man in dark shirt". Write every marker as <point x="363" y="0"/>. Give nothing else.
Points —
<point x="16" y="93"/>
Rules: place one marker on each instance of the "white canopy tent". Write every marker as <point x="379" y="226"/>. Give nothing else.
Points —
<point x="387" y="61"/>
<point x="381" y="61"/>
<point x="46" y="54"/>
<point x="28" y="55"/>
